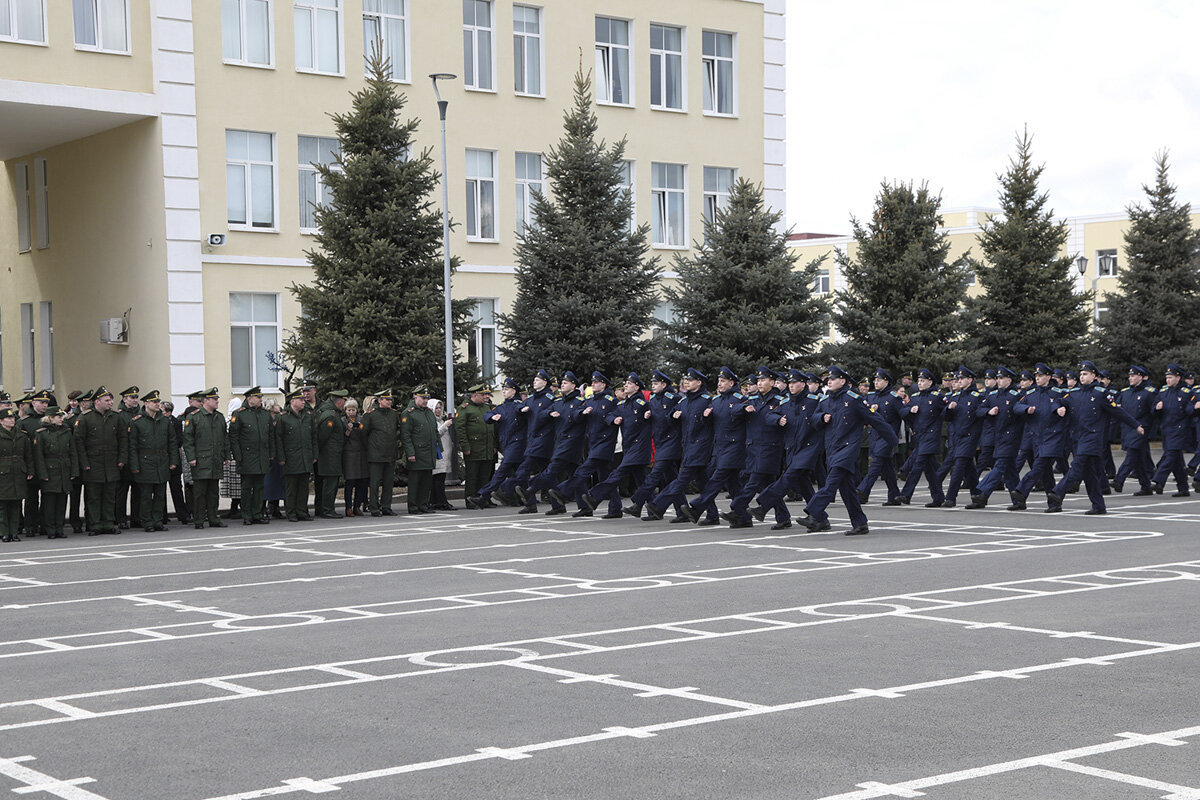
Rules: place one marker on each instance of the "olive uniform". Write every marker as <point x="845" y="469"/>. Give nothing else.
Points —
<point x="252" y="441"/>
<point x="381" y="427"/>
<point x="127" y="511"/>
<point x="206" y="442"/>
<point x="330" y="440"/>
<point x="294" y="453"/>
<point x="57" y="467"/>
<point x="153" y="454"/>
<point x="31" y="520"/>
<point x="16" y="467"/>
<point x="419" y="437"/>
<point x="102" y="444"/>
<point x="477" y="440"/>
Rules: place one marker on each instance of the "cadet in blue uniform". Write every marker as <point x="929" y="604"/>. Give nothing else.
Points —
<point x="632" y="418"/>
<point x="569" y="442"/>
<point x="667" y="449"/>
<point x="1090" y="408"/>
<point x="842" y="415"/>
<point x="1025" y="449"/>
<point x="1040" y="405"/>
<point x="1114" y="428"/>
<point x="924" y="414"/>
<point x="803" y="443"/>
<point x="887" y="404"/>
<point x="728" y="411"/>
<point x="1138" y="400"/>
<point x="987" y="441"/>
<point x="539" y="437"/>
<point x="764" y="448"/>
<point x="1174" y="406"/>
<point x="696" y="439"/>
<point x="601" y="445"/>
<point x="512" y="431"/>
<point x="966" y="429"/>
<point x="1007" y="428"/>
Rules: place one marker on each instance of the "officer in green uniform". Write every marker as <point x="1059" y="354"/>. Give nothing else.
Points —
<point x="102" y="442"/>
<point x="476" y="438"/>
<point x="57" y="466"/>
<point x="252" y="440"/>
<point x="206" y="447"/>
<point x="128" y="490"/>
<point x="153" y="456"/>
<point x="294" y="452"/>
<point x="330" y="441"/>
<point x="16" y="469"/>
<point x="311" y="408"/>
<point x="38" y="403"/>
<point x="78" y="507"/>
<point x="382" y="428"/>
<point x="419" y="437"/>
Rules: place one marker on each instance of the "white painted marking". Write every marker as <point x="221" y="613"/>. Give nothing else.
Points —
<point x="889" y="791"/>
<point x="232" y="687"/>
<point x="1144" y="738"/>
<point x="635" y="733"/>
<point x="65" y="709"/>
<point x="589" y="678"/>
<point x="506" y="754"/>
<point x="47" y="787"/>
<point x="1176" y="792"/>
<point x="35" y="781"/>
<point x="677" y="692"/>
<point x="347" y="673"/>
<point x="886" y="693"/>
<point x="311" y="786"/>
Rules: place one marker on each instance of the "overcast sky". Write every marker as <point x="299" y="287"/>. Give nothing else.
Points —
<point x="937" y="91"/>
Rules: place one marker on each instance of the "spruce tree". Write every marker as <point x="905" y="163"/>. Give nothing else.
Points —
<point x="901" y="308"/>
<point x="1154" y="316"/>
<point x="741" y="301"/>
<point x="1029" y="309"/>
<point x="585" y="288"/>
<point x="373" y="316"/>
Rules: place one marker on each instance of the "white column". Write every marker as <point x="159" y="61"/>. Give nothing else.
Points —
<point x="774" y="108"/>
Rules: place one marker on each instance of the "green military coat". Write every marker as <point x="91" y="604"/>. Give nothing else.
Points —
<point x="252" y="440"/>
<point x="294" y="442"/>
<point x="16" y="463"/>
<point x="476" y="438"/>
<point x="29" y="425"/>
<point x="330" y="440"/>
<point x="419" y="435"/>
<point x="206" y="442"/>
<point x="153" y="449"/>
<point x="55" y="458"/>
<point x="382" y="427"/>
<point x="102" y="442"/>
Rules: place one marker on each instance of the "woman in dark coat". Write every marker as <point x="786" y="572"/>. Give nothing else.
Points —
<point x="355" y="471"/>
<point x="16" y="467"/>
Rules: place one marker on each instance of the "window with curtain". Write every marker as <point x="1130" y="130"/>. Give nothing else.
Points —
<point x="477" y="45"/>
<point x="385" y="29"/>
<point x="612" y="61"/>
<point x="23" y="21"/>
<point x="668" y="192"/>
<point x="253" y="332"/>
<point x="481" y="194"/>
<point x="666" y="67"/>
<point x="102" y="25"/>
<point x="250" y="179"/>
<point x="529" y="180"/>
<point x="718" y="181"/>
<point x="718" y="72"/>
<point x="318" y="30"/>
<point x="527" y="50"/>
<point x="246" y="32"/>
<point x="314" y="150"/>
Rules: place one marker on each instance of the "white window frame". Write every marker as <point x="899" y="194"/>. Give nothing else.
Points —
<point x="41" y="203"/>
<point x="474" y="201"/>
<point x="473" y="32"/>
<point x="662" y="54"/>
<point x="524" y="191"/>
<point x="1101" y="315"/>
<point x="313" y="7"/>
<point x="13" y="17"/>
<point x="664" y="314"/>
<point x="271" y="383"/>
<point x="714" y="198"/>
<point x="1106" y="263"/>
<point x="46" y="320"/>
<point x="631" y="167"/>
<point x="604" y="53"/>
<point x="306" y="169"/>
<point x="98" y="28"/>
<point x="477" y="337"/>
<point x="249" y="225"/>
<point x="28" y="353"/>
<point x="661" y="203"/>
<point x="382" y="17"/>
<point x="709" y="67"/>
<point x="823" y="282"/>
<point x="24" y="231"/>
<point x="243" y="36"/>
<point x="523" y="38"/>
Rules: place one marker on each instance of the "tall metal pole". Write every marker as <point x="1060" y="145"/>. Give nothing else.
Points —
<point x="442" y="105"/>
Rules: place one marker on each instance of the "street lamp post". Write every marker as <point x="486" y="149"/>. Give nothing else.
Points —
<point x="442" y="105"/>
<point x="1081" y="265"/>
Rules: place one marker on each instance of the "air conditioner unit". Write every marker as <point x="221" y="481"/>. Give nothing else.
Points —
<point x="112" y="331"/>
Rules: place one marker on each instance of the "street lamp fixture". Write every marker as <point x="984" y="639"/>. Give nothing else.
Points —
<point x="442" y="105"/>
<point x="1081" y="265"/>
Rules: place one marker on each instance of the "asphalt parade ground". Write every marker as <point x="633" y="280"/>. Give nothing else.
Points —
<point x="950" y="654"/>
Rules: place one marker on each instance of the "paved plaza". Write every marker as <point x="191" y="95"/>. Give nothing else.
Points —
<point x="951" y="654"/>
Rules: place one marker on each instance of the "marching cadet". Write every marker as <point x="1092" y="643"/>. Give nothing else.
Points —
<point x="206" y="447"/>
<point x="664" y="431"/>
<point x="295" y="452"/>
<point x="1174" y="406"/>
<point x="998" y="411"/>
<point x="128" y="507"/>
<point x="57" y="465"/>
<point x="987" y="443"/>
<point x="566" y="414"/>
<point x="1025" y="449"/>
<point x="1090" y="408"/>
<point x="887" y="404"/>
<point x="965" y="431"/>
<point x="693" y="411"/>
<point x="842" y="416"/>
<point x="16" y="469"/>
<point x="512" y="431"/>
<point x="764" y="448"/>
<point x="802" y="442"/>
<point x="539" y="438"/>
<point x="633" y="418"/>
<point x="330" y="441"/>
<point x="924" y="414"/>
<point x="102" y="443"/>
<point x="38" y="403"/>
<point x="1138" y="400"/>
<point x="728" y="411"/>
<point x="382" y="427"/>
<point x="601" y="445"/>
<point x="1041" y="407"/>
<point x="252" y="444"/>
<point x="1114" y="428"/>
<point x="153" y="456"/>
<point x="476" y="439"/>
<point x="419" y="438"/>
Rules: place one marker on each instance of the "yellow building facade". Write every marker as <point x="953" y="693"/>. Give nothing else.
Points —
<point x="157" y="190"/>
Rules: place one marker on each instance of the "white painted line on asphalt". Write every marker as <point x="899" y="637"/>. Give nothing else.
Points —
<point x="35" y="781"/>
<point x="889" y="791"/>
<point x="1176" y="791"/>
<point x="74" y="712"/>
<point x="246" y="691"/>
